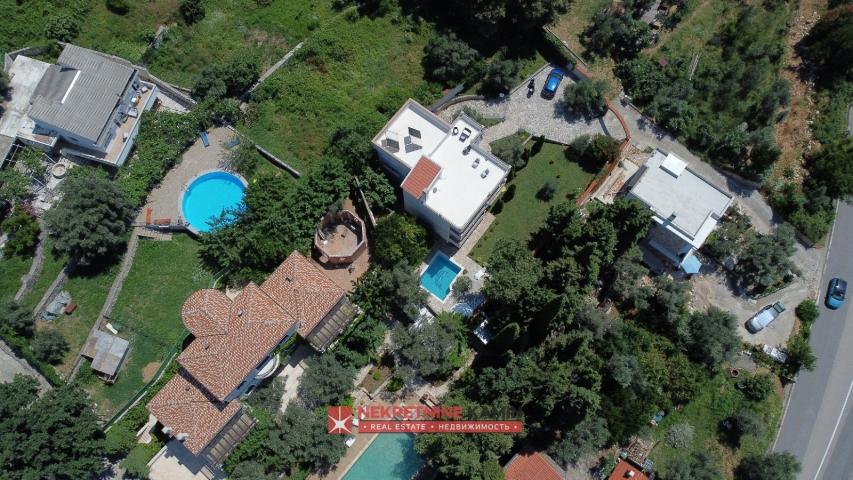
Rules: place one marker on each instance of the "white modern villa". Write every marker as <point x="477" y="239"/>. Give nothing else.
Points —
<point x="448" y="180"/>
<point x="685" y="207"/>
<point x="88" y="105"/>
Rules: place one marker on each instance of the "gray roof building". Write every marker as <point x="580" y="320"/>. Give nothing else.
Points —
<point x="82" y="92"/>
<point x="106" y="352"/>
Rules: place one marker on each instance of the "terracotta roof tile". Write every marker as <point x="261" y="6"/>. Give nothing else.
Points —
<point x="301" y="289"/>
<point x="220" y="361"/>
<point x="206" y="312"/>
<point x="530" y="465"/>
<point x="622" y="469"/>
<point x="184" y="406"/>
<point x="421" y="177"/>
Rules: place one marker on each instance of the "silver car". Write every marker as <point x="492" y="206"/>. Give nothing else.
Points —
<point x="764" y="317"/>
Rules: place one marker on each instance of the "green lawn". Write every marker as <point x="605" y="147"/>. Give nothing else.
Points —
<point x="50" y="268"/>
<point x="126" y="35"/>
<point x="717" y="400"/>
<point x="11" y="270"/>
<point x="235" y="27"/>
<point x="525" y="213"/>
<point x="147" y="313"/>
<point x="355" y="70"/>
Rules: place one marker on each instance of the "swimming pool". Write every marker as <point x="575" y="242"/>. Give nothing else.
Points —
<point x="208" y="196"/>
<point x="439" y="275"/>
<point x="391" y="456"/>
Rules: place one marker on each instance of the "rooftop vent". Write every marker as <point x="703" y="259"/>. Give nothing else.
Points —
<point x="288" y="277"/>
<point x="485" y="173"/>
<point x="476" y="163"/>
<point x="466" y="132"/>
<point x="466" y="150"/>
<point x="414" y="132"/>
<point x="673" y="165"/>
<point x="391" y="142"/>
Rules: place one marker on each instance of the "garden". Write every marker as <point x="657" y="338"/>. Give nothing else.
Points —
<point x="548" y="178"/>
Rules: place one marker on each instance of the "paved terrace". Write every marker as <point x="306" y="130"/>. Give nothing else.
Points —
<point x="537" y="115"/>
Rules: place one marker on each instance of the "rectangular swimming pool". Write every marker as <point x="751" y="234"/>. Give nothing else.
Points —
<point x="391" y="456"/>
<point x="439" y="275"/>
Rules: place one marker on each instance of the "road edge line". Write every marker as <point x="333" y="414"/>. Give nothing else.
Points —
<point x="834" y="431"/>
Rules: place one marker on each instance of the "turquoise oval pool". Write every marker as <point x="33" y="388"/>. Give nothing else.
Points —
<point x="391" y="456"/>
<point x="208" y="196"/>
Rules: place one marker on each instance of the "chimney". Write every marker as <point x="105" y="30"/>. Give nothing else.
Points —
<point x="167" y="430"/>
<point x="183" y="436"/>
<point x="630" y="474"/>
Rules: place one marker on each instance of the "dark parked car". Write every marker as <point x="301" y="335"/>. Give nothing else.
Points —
<point x="552" y="82"/>
<point x="764" y="317"/>
<point x="835" y="293"/>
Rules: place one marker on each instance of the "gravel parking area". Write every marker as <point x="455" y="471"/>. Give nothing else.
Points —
<point x="537" y="115"/>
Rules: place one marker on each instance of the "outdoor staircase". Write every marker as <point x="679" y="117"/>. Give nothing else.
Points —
<point x="154" y="234"/>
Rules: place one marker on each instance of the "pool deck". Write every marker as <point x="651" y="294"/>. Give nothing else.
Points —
<point x="461" y="257"/>
<point x="165" y="200"/>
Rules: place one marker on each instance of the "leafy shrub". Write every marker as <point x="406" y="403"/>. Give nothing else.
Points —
<point x="118" y="6"/>
<point x="462" y="285"/>
<point x="49" y="346"/>
<point x="756" y="387"/>
<point x="62" y="27"/>
<point x="448" y="59"/>
<point x="807" y="311"/>
<point x="17" y="318"/>
<point x="509" y="194"/>
<point x="192" y="11"/>
<point x="267" y="397"/>
<point x="23" y="231"/>
<point x="399" y="238"/>
<point x="511" y="150"/>
<point x="592" y="153"/>
<point x="498" y="206"/>
<point x="218" y="80"/>
<point x="799" y="354"/>
<point x="680" y="435"/>
<point x="546" y="192"/>
<point x="586" y="98"/>
<point x="500" y="75"/>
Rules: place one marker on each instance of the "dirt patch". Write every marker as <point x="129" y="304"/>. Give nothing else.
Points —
<point x="149" y="370"/>
<point x="794" y="135"/>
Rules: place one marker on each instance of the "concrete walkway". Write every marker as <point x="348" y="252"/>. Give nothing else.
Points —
<point x="11" y="365"/>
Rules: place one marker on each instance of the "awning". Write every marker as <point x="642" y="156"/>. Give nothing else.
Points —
<point x="691" y="264"/>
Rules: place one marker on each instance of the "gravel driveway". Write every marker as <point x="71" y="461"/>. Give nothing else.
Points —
<point x="537" y="115"/>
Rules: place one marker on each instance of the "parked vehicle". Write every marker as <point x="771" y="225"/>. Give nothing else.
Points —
<point x="835" y="293"/>
<point x="552" y="82"/>
<point x="764" y="317"/>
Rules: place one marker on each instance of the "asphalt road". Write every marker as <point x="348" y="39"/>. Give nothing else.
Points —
<point x="817" y="425"/>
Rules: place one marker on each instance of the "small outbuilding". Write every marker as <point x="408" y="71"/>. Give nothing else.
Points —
<point x="106" y="352"/>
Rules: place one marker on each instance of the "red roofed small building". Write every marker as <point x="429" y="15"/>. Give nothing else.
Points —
<point x="448" y="179"/>
<point x="233" y="350"/>
<point x="532" y="465"/>
<point x="627" y="471"/>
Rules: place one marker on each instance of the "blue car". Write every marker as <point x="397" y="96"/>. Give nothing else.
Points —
<point x="835" y="293"/>
<point x="552" y="82"/>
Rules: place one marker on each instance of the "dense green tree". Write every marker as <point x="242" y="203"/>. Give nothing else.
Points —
<point x="667" y="312"/>
<point x="745" y="421"/>
<point x="192" y="11"/>
<point x="766" y="261"/>
<point x="17" y="318"/>
<point x="302" y="437"/>
<point x="399" y="238"/>
<point x="800" y="354"/>
<point x="23" y="231"/>
<point x="511" y="150"/>
<point x="463" y="456"/>
<point x="351" y="141"/>
<point x="435" y="348"/>
<point x="699" y="465"/>
<point x="756" y="387"/>
<point x="770" y="466"/>
<point x="378" y="191"/>
<point x="49" y="346"/>
<point x="807" y="311"/>
<point x="62" y="27"/>
<point x="829" y="45"/>
<point x="13" y="185"/>
<point x="586" y="438"/>
<point x="617" y="35"/>
<point x="713" y="337"/>
<point x="90" y="222"/>
<point x="506" y="17"/>
<point x="680" y="435"/>
<point x="628" y="289"/>
<point x="218" y="80"/>
<point x="592" y="152"/>
<point x="448" y="59"/>
<point x="267" y="397"/>
<point x="54" y="436"/>
<point x="513" y="287"/>
<point x="326" y="381"/>
<point x="500" y="75"/>
<point x="586" y="98"/>
<point x="397" y="290"/>
<point x="831" y="167"/>
<point x="249" y="470"/>
<point x="625" y="370"/>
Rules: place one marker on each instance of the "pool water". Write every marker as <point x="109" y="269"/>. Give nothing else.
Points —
<point x="208" y="196"/>
<point x="439" y="275"/>
<point x="391" y="456"/>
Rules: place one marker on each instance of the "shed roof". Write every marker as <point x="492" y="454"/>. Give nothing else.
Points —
<point x="106" y="352"/>
<point x="531" y="465"/>
<point x="622" y="472"/>
<point x="80" y="93"/>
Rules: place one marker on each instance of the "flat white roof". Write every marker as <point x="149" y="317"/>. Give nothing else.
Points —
<point x="25" y="76"/>
<point x="687" y="204"/>
<point x="466" y="180"/>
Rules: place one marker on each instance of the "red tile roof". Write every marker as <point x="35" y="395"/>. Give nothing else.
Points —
<point x="420" y="178"/>
<point x="303" y="291"/>
<point x="206" y="312"/>
<point x="622" y="469"/>
<point x="530" y="465"/>
<point x="184" y="406"/>
<point x="220" y="358"/>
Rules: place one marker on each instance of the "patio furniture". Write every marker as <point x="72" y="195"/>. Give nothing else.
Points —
<point x="69" y="309"/>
